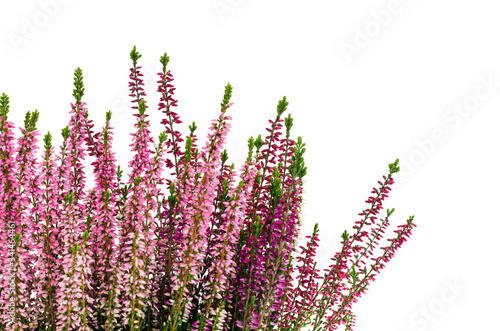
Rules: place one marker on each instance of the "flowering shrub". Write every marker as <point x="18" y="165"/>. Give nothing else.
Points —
<point x="214" y="253"/>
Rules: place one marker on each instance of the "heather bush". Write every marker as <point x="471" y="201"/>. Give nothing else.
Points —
<point x="215" y="249"/>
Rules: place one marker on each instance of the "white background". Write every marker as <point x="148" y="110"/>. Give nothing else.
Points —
<point x="356" y="113"/>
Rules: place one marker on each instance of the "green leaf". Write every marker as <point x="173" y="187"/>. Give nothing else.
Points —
<point x="134" y="55"/>
<point x="282" y="104"/>
<point x="393" y="167"/>
<point x="78" y="83"/>
<point x="164" y="60"/>
<point x="227" y="95"/>
<point x="4" y="106"/>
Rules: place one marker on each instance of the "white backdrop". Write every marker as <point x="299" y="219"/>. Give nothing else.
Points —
<point x="367" y="82"/>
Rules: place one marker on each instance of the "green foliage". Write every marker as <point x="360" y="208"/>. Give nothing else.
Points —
<point x="251" y="144"/>
<point x="227" y="96"/>
<point x="192" y="128"/>
<point x="65" y="132"/>
<point x="86" y="236"/>
<point x="282" y="104"/>
<point x="224" y="156"/>
<point x="106" y="138"/>
<point x="78" y="83"/>
<point x="345" y="235"/>
<point x="393" y="167"/>
<point x="189" y="146"/>
<point x="4" y="106"/>
<point x="298" y="169"/>
<point x="164" y="60"/>
<point x="355" y="277"/>
<point x="138" y="180"/>
<point x="275" y="187"/>
<point x="162" y="137"/>
<point x="47" y="139"/>
<point x="172" y="199"/>
<point x="288" y="124"/>
<point x="30" y="120"/>
<point x="134" y="56"/>
<point x="17" y="238"/>
<point x="69" y="198"/>
<point x="142" y="107"/>
<point x="88" y="222"/>
<point x="119" y="173"/>
<point x="258" y="143"/>
<point x="108" y="116"/>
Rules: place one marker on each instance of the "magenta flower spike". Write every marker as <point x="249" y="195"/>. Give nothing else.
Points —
<point x="283" y="231"/>
<point x="169" y="233"/>
<point x="171" y="139"/>
<point x="166" y="103"/>
<point x="137" y="242"/>
<point x="293" y="308"/>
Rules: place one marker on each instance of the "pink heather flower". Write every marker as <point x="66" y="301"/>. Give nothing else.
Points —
<point x="376" y="206"/>
<point x="171" y="139"/>
<point x="223" y="267"/>
<point x="258" y="257"/>
<point x="293" y="309"/>
<point x="136" y="242"/>
<point x="72" y="296"/>
<point x="47" y="248"/>
<point x="29" y="192"/>
<point x="332" y="281"/>
<point x="197" y="214"/>
<point x="168" y="236"/>
<point x="103" y="233"/>
<point x="9" y="220"/>
<point x="16" y="188"/>
<point x="282" y="234"/>
<point x="166" y="102"/>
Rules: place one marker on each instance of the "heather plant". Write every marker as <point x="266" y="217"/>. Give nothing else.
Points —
<point x="213" y="250"/>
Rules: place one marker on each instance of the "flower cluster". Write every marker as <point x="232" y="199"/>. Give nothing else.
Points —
<point x="214" y="250"/>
